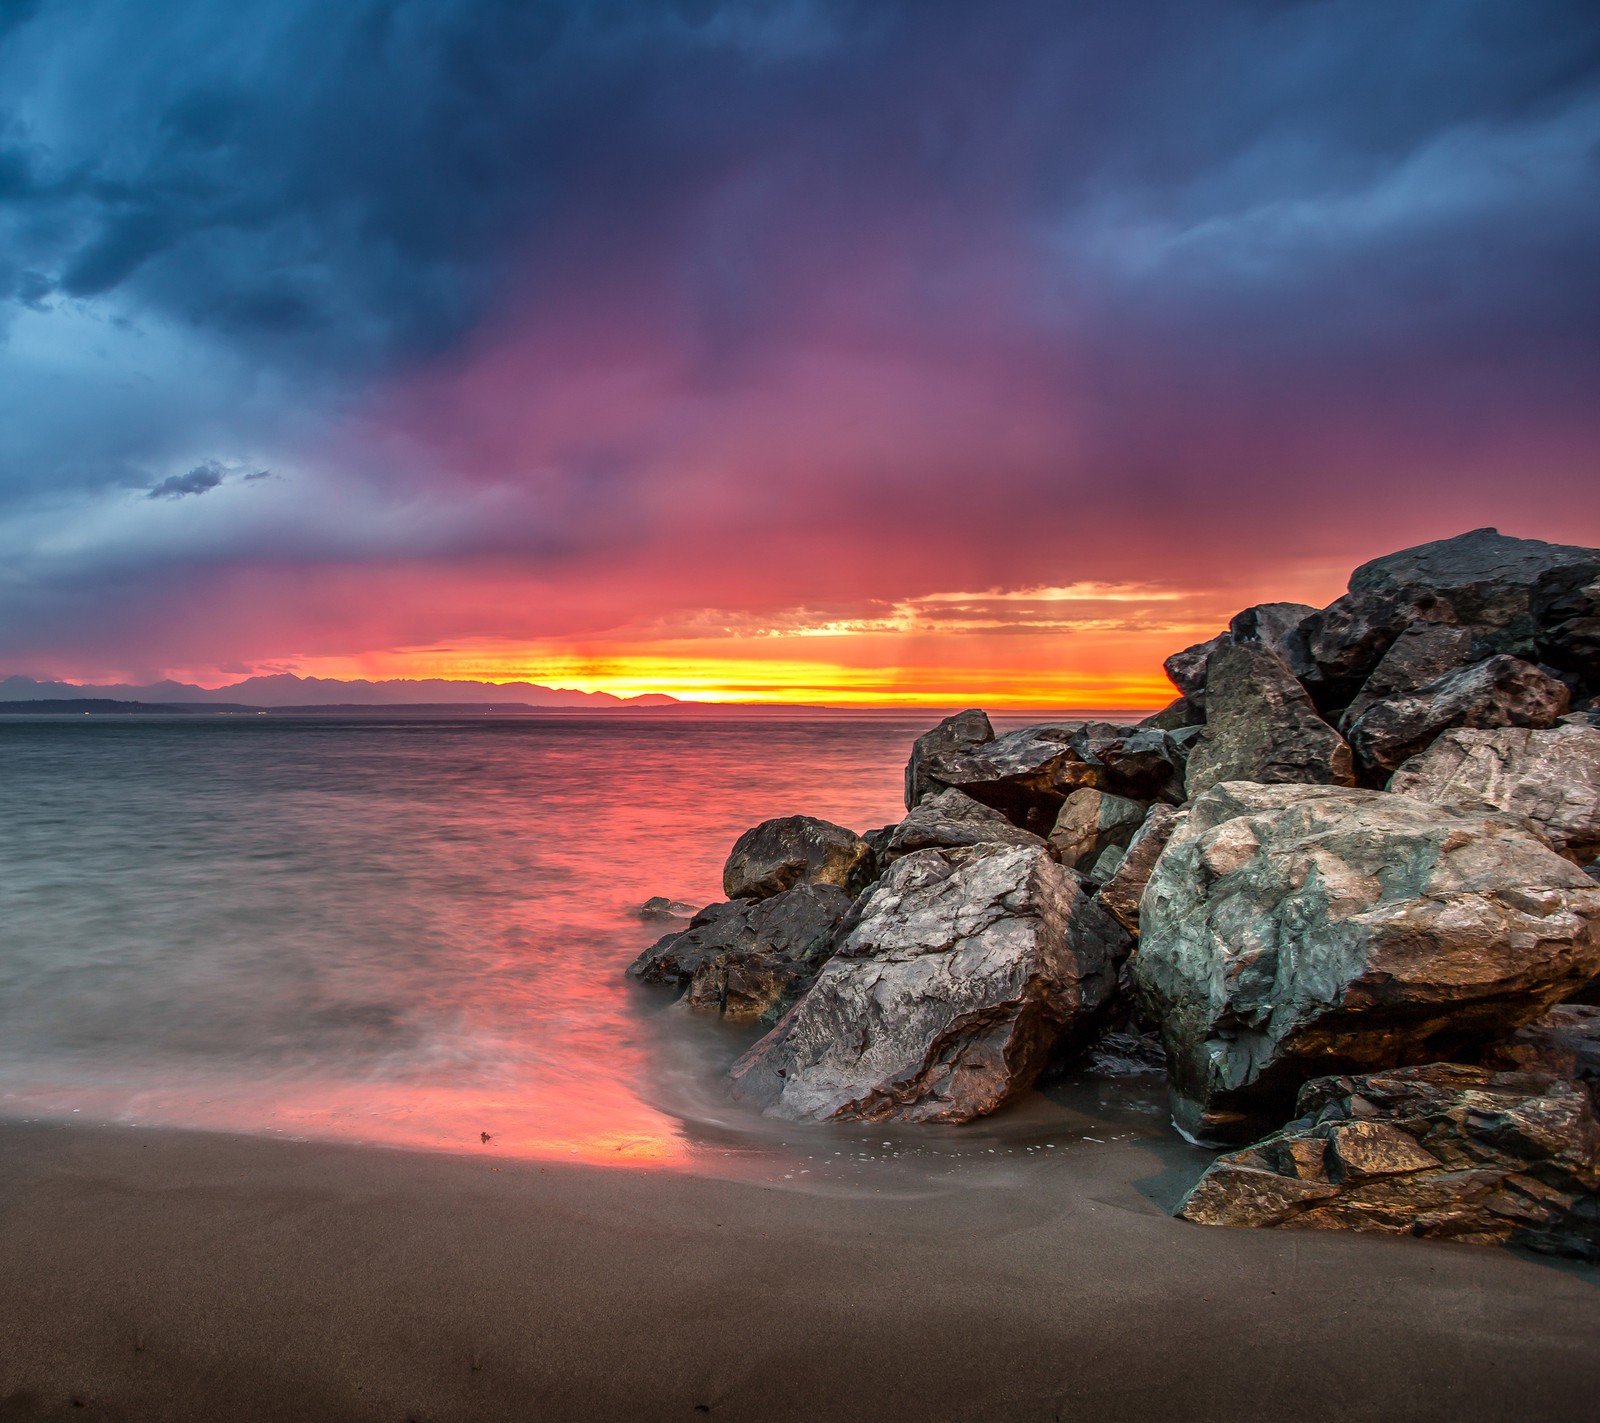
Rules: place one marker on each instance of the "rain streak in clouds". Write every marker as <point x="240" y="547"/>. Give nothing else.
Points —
<point x="1018" y="340"/>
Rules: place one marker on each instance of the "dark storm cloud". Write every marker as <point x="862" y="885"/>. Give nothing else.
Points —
<point x="1227" y="237"/>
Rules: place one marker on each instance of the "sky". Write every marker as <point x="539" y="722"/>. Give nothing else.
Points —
<point x="891" y="351"/>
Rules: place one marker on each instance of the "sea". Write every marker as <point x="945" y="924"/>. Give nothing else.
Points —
<point x="413" y="932"/>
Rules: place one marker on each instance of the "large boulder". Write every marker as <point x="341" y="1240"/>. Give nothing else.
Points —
<point x="1292" y="931"/>
<point x="1551" y="776"/>
<point x="1504" y="691"/>
<point x="1480" y="580"/>
<point x="1261" y="726"/>
<point x="796" y="849"/>
<point x="955" y="734"/>
<point x="1120" y="895"/>
<point x="1271" y="625"/>
<point x="1089" y="823"/>
<point x="947" y="820"/>
<point x="749" y="959"/>
<point x="961" y="971"/>
<point x="1443" y="1151"/>
<point x="1026" y="774"/>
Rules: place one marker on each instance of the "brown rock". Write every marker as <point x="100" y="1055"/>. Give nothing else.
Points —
<point x="1120" y="895"/>
<point x="796" y="849"/>
<point x="1091" y="821"/>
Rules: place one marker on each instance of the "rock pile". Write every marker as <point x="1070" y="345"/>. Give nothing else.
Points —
<point x="1346" y="874"/>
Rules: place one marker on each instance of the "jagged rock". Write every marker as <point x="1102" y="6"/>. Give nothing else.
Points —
<point x="1261" y="726"/>
<point x="1126" y="1052"/>
<point x="658" y="906"/>
<point x="1565" y="604"/>
<point x="1423" y="653"/>
<point x="953" y="735"/>
<point x="1565" y="1042"/>
<point x="1335" y="651"/>
<point x="1121" y="893"/>
<point x="1290" y="931"/>
<point x="1443" y="1151"/>
<point x="1027" y="774"/>
<point x="950" y="819"/>
<point x="749" y="959"/>
<point x="1271" y="625"/>
<point x="1550" y="776"/>
<point x="1176" y="715"/>
<point x="1484" y="577"/>
<point x="1504" y="691"/>
<point x="953" y="982"/>
<point x="796" y="849"/>
<point x="1106" y="863"/>
<point x="1089" y="822"/>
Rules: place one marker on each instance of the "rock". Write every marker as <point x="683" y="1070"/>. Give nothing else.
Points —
<point x="1291" y="931"/>
<point x="1504" y="691"/>
<point x="1270" y="625"/>
<point x="1565" y="604"/>
<point x="948" y="819"/>
<point x="954" y="980"/>
<point x="955" y="734"/>
<point x="1106" y="863"/>
<point x="1089" y="822"/>
<point x="1176" y="714"/>
<point x="1550" y="776"/>
<point x="1423" y="653"/>
<point x="1261" y="726"/>
<point x="1126" y="1052"/>
<point x="658" y="906"/>
<point x="1334" y="652"/>
<point x="1120" y="894"/>
<point x="1565" y="1042"/>
<point x="1485" y="578"/>
<point x="749" y="959"/>
<point x="1442" y="1151"/>
<point x="1027" y="774"/>
<point x="796" y="849"/>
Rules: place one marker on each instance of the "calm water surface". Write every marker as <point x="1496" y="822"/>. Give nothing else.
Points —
<point x="411" y="932"/>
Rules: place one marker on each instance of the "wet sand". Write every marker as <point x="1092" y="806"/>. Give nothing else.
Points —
<point x="164" y="1275"/>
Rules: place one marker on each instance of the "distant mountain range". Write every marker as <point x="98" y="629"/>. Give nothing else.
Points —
<point x="286" y="690"/>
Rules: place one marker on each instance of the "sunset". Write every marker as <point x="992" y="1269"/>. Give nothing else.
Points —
<point x="799" y="710"/>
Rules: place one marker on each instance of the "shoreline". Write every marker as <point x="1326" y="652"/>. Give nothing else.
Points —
<point x="166" y="1274"/>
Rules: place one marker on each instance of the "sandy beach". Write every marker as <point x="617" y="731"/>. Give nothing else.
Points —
<point x="164" y="1275"/>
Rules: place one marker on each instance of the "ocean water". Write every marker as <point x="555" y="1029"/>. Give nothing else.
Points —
<point x="414" y="932"/>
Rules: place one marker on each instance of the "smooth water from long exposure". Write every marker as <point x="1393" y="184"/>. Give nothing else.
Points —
<point x="414" y="932"/>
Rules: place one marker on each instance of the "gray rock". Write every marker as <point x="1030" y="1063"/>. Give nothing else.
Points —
<point x="658" y="906"/>
<point x="1566" y="608"/>
<point x="1138" y="762"/>
<point x="749" y="959"/>
<point x="1187" y="669"/>
<point x="1105" y="865"/>
<point x="796" y="849"/>
<point x="957" y="976"/>
<point x="949" y="819"/>
<point x="1120" y="895"/>
<point x="1485" y="578"/>
<point x="1335" y="651"/>
<point x="1565" y="1042"/>
<point x="1504" y="691"/>
<point x="1442" y="1151"/>
<point x="1177" y="714"/>
<point x="1261" y="726"/>
<point x="1089" y="821"/>
<point x="955" y="734"/>
<point x="1291" y="931"/>
<point x="1270" y="625"/>
<point x="1423" y="653"/>
<point x="1551" y="777"/>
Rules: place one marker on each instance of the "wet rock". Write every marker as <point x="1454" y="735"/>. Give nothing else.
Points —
<point x="1504" y="691"/>
<point x="953" y="982"/>
<point x="1089" y="822"/>
<point x="1261" y="726"/>
<point x="1423" y="653"/>
<point x="796" y="849"/>
<point x="1292" y="931"/>
<point x="658" y="906"/>
<point x="1551" y="776"/>
<point x="952" y="736"/>
<point x="949" y="819"/>
<point x="1565" y="1042"/>
<point x="749" y="959"/>
<point x="1441" y="1151"/>
<point x="1120" y="894"/>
